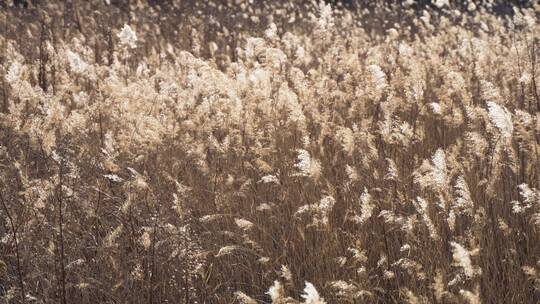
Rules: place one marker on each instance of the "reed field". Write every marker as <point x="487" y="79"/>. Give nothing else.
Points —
<point x="278" y="152"/>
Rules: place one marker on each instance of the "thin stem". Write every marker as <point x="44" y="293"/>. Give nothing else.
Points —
<point x="17" y="255"/>
<point x="61" y="235"/>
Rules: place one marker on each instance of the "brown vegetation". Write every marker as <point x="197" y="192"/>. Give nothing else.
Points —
<point x="269" y="152"/>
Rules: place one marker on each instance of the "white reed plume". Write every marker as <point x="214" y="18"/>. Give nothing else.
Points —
<point x="311" y="295"/>
<point x="501" y="118"/>
<point x="462" y="258"/>
<point x="128" y="37"/>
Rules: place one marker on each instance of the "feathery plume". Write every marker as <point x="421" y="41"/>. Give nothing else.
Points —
<point x="128" y="37"/>
<point x="378" y="75"/>
<point x="14" y="73"/>
<point x="311" y="295"/>
<point x="76" y="64"/>
<point x="366" y="207"/>
<point x="462" y="258"/>
<point x="501" y="118"/>
<point x="244" y="298"/>
<point x="276" y="292"/>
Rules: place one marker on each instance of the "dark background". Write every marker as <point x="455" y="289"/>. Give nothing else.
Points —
<point x="500" y="6"/>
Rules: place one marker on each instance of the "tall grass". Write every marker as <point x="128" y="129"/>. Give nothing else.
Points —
<point x="269" y="152"/>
